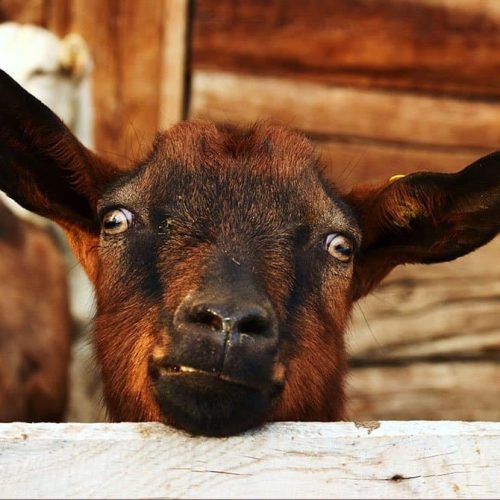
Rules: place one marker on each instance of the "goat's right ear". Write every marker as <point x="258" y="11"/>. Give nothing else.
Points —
<point x="43" y="166"/>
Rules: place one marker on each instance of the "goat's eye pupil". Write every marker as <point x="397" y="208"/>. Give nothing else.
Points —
<point x="116" y="221"/>
<point x="339" y="246"/>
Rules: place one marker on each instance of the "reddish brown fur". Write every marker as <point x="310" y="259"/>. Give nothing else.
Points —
<point x="35" y="325"/>
<point x="320" y="374"/>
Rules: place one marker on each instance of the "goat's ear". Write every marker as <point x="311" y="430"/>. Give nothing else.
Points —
<point x="425" y="218"/>
<point x="43" y="166"/>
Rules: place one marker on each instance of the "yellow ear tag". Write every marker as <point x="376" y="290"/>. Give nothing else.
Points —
<point x="396" y="177"/>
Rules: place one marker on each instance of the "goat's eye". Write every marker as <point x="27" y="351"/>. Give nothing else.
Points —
<point x="116" y="221"/>
<point x="339" y="246"/>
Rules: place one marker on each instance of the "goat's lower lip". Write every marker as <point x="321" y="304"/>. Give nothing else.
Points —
<point x="202" y="403"/>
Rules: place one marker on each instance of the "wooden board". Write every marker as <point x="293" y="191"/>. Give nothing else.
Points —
<point x="448" y="46"/>
<point x="356" y="161"/>
<point x="139" y="64"/>
<point x="467" y="390"/>
<point x="125" y="41"/>
<point x="326" y="111"/>
<point x="284" y="460"/>
<point x="174" y="52"/>
<point x="449" y="310"/>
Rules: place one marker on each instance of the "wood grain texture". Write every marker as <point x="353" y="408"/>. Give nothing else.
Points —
<point x="445" y="310"/>
<point x="285" y="460"/>
<point x="423" y="390"/>
<point x="432" y="45"/>
<point x="355" y="161"/>
<point x="173" y="77"/>
<point x="23" y="11"/>
<point x="125" y="41"/>
<point x="139" y="64"/>
<point x="397" y="118"/>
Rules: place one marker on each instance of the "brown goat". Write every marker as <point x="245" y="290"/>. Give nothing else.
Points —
<point x="225" y="265"/>
<point x="35" y="325"/>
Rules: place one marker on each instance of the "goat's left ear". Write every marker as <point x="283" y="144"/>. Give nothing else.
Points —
<point x="425" y="218"/>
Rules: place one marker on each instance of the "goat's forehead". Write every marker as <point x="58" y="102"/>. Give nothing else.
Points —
<point x="265" y="148"/>
<point x="260" y="167"/>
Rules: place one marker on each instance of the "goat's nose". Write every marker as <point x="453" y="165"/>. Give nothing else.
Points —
<point x="226" y="317"/>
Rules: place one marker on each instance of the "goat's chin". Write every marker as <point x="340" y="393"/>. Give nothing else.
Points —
<point x="203" y="405"/>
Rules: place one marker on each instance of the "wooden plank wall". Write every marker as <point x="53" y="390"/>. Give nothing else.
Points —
<point x="384" y="87"/>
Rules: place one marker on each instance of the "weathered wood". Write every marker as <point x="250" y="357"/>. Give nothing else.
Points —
<point x="23" y="11"/>
<point x="173" y="78"/>
<point x="439" y="45"/>
<point x="125" y="41"/>
<point x="360" y="161"/>
<point x="430" y="391"/>
<point x="442" y="313"/>
<point x="285" y="460"/>
<point x="335" y="111"/>
<point x="57" y="16"/>
<point x="138" y="57"/>
<point x="448" y="310"/>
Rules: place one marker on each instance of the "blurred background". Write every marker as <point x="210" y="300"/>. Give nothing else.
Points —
<point x="383" y="87"/>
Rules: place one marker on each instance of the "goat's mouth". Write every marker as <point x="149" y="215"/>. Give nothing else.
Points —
<point x="211" y="403"/>
<point x="189" y="371"/>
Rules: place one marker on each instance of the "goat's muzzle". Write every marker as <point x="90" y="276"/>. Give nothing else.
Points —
<point x="219" y="375"/>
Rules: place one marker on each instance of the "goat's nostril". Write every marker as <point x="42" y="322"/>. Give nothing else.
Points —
<point x="253" y="325"/>
<point x="206" y="317"/>
<point x="250" y="320"/>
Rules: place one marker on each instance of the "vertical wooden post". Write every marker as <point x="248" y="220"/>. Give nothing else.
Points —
<point x="172" y="86"/>
<point x="139" y="52"/>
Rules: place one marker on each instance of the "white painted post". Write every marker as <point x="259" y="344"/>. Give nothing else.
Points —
<point x="282" y="460"/>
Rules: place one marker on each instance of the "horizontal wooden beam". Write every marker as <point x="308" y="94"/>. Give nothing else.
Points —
<point x="283" y="460"/>
<point x="350" y="162"/>
<point x="416" y="389"/>
<point x="430" y="45"/>
<point x="397" y="118"/>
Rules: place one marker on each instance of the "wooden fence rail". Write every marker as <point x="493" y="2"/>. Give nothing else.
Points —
<point x="413" y="459"/>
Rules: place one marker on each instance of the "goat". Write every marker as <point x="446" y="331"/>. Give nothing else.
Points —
<point x="35" y="323"/>
<point x="225" y="264"/>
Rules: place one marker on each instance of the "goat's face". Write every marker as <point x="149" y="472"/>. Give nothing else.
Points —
<point x="224" y="283"/>
<point x="225" y="266"/>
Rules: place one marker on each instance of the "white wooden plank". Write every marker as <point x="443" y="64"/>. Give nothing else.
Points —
<point x="282" y="460"/>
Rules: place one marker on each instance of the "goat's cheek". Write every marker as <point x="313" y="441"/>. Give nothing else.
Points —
<point x="85" y="248"/>
<point x="315" y="374"/>
<point x="306" y="372"/>
<point x="123" y="349"/>
<point x="336" y="302"/>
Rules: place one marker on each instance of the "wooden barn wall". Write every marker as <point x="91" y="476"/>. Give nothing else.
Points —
<point x="383" y="87"/>
<point x="138" y="53"/>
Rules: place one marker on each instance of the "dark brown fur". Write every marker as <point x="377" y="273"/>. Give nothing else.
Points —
<point x="243" y="215"/>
